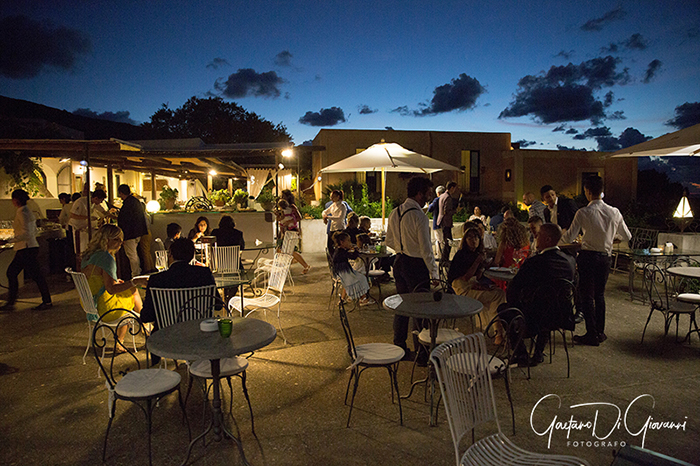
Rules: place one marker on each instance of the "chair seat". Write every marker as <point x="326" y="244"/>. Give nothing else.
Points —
<point x="147" y="382"/>
<point x="379" y="353"/>
<point x="228" y="367"/>
<point x="377" y="273"/>
<point x="266" y="300"/>
<point x="443" y="335"/>
<point x="693" y="298"/>
<point x="497" y="449"/>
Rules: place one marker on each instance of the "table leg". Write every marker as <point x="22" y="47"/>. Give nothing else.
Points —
<point x="431" y="371"/>
<point x="216" y="423"/>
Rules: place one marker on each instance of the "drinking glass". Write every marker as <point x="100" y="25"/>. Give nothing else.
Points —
<point x="225" y="327"/>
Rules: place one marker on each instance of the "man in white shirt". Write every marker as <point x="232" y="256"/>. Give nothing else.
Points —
<point x="447" y="207"/>
<point x="26" y="250"/>
<point x="79" y="215"/>
<point x="408" y="233"/>
<point x="601" y="225"/>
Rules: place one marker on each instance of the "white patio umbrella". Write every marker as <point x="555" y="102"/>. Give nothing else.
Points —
<point x="685" y="142"/>
<point x="388" y="157"/>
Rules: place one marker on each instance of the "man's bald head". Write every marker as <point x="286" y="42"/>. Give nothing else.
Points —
<point x="548" y="236"/>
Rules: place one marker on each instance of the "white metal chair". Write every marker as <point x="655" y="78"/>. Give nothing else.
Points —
<point x="226" y="260"/>
<point x="87" y="302"/>
<point x="289" y="243"/>
<point x="272" y="295"/>
<point x="127" y="380"/>
<point x="462" y="367"/>
<point x="162" y="260"/>
<point x="370" y="355"/>
<point x="182" y="304"/>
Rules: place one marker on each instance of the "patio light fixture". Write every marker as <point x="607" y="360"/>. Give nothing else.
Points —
<point x="152" y="207"/>
<point x="683" y="213"/>
<point x="212" y="172"/>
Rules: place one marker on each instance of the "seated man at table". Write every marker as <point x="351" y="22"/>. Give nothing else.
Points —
<point x="550" y="264"/>
<point x="180" y="274"/>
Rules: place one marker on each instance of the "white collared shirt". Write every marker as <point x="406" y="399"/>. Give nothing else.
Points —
<point x="601" y="224"/>
<point x="25" y="229"/>
<point x="336" y="213"/>
<point x="413" y="232"/>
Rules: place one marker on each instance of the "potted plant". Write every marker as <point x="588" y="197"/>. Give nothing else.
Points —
<point x="220" y="197"/>
<point x="168" y="196"/>
<point x="240" y="198"/>
<point x="266" y="199"/>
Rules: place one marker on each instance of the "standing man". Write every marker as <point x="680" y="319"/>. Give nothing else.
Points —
<point x="560" y="210"/>
<point x="446" y="211"/>
<point x="78" y="218"/>
<point x="434" y="208"/>
<point x="26" y="251"/>
<point x="535" y="207"/>
<point x="408" y="233"/>
<point x="601" y="225"/>
<point x="132" y="221"/>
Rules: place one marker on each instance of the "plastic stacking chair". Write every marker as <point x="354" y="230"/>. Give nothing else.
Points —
<point x="462" y="367"/>
<point x="87" y="302"/>
<point x="273" y="293"/>
<point x="370" y="355"/>
<point x="127" y="380"/>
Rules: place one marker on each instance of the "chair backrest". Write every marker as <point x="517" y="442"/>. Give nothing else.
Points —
<point x="550" y="306"/>
<point x="462" y="367"/>
<point x="174" y="305"/>
<point x="290" y="241"/>
<point x="346" y="329"/>
<point x="643" y="238"/>
<point x="162" y="260"/>
<point x="226" y="259"/>
<point x="159" y="245"/>
<point x="278" y="272"/>
<point x="329" y="258"/>
<point x="656" y="286"/>
<point x="512" y="321"/>
<point x="105" y="335"/>
<point x="87" y="302"/>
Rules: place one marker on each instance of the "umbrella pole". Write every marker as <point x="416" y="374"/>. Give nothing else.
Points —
<point x="383" y="198"/>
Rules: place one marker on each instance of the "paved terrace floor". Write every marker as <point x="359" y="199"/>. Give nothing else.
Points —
<point x="53" y="408"/>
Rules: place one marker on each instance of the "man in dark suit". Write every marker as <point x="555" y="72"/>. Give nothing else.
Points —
<point x="180" y="274"/>
<point x="132" y="221"/>
<point x="560" y="210"/>
<point x="550" y="264"/>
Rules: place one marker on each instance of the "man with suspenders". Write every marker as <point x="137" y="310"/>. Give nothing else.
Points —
<point x="408" y="234"/>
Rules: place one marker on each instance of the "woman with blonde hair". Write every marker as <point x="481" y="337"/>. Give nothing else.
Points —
<point x="513" y="243"/>
<point x="100" y="267"/>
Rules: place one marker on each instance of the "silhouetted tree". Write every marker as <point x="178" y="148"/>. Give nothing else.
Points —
<point x="657" y="198"/>
<point x="215" y="122"/>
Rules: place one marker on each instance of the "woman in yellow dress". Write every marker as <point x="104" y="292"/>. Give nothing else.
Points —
<point x="100" y="267"/>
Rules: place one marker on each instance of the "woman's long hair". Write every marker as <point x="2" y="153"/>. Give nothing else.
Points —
<point x="513" y="233"/>
<point x="196" y="225"/>
<point x="472" y="229"/>
<point x="101" y="238"/>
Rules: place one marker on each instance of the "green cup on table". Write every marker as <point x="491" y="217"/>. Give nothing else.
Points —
<point x="225" y="327"/>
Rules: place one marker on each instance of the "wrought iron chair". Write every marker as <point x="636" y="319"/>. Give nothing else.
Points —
<point x="272" y="295"/>
<point x="663" y="298"/>
<point x="336" y="283"/>
<point x="550" y="308"/>
<point x="181" y="304"/>
<point x="87" y="302"/>
<point x="369" y="355"/>
<point x="462" y="367"/>
<point x="126" y="380"/>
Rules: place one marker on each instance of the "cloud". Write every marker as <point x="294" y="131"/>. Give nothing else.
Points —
<point x="566" y="93"/>
<point x="607" y="142"/>
<point x="247" y="82"/>
<point x="29" y="47"/>
<point x="564" y="54"/>
<point x="616" y="115"/>
<point x="687" y="114"/>
<point x="459" y="94"/>
<point x="284" y="58"/>
<point x="652" y="70"/>
<point x="571" y="131"/>
<point x="325" y="117"/>
<point x="366" y="110"/>
<point x="635" y="42"/>
<point x="122" y="116"/>
<point x="559" y="128"/>
<point x="601" y="131"/>
<point x="523" y="143"/>
<point x="597" y="24"/>
<point x="560" y="147"/>
<point x="630" y="137"/>
<point x="216" y="63"/>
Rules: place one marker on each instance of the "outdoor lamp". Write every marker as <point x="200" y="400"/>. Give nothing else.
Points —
<point x="281" y="166"/>
<point x="683" y="213"/>
<point x="212" y="172"/>
<point x="287" y="153"/>
<point x="152" y="207"/>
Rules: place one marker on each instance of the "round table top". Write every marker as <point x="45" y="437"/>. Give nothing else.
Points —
<point x="423" y="306"/>
<point x="185" y="340"/>
<point x="231" y="280"/>
<point x="372" y="254"/>
<point x="499" y="273"/>
<point x="688" y="272"/>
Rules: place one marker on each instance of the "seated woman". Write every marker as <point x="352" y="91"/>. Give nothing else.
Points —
<point x="477" y="215"/>
<point x="513" y="243"/>
<point x="100" y="267"/>
<point x="466" y="270"/>
<point x="353" y="228"/>
<point x="355" y="284"/>
<point x="201" y="228"/>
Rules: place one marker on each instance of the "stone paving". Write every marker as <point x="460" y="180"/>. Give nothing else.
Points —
<point x="53" y="408"/>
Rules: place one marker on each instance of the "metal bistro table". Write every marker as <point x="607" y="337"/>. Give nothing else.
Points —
<point x="245" y="277"/>
<point x="424" y="306"/>
<point x="367" y="257"/>
<point x="500" y="273"/>
<point x="185" y="340"/>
